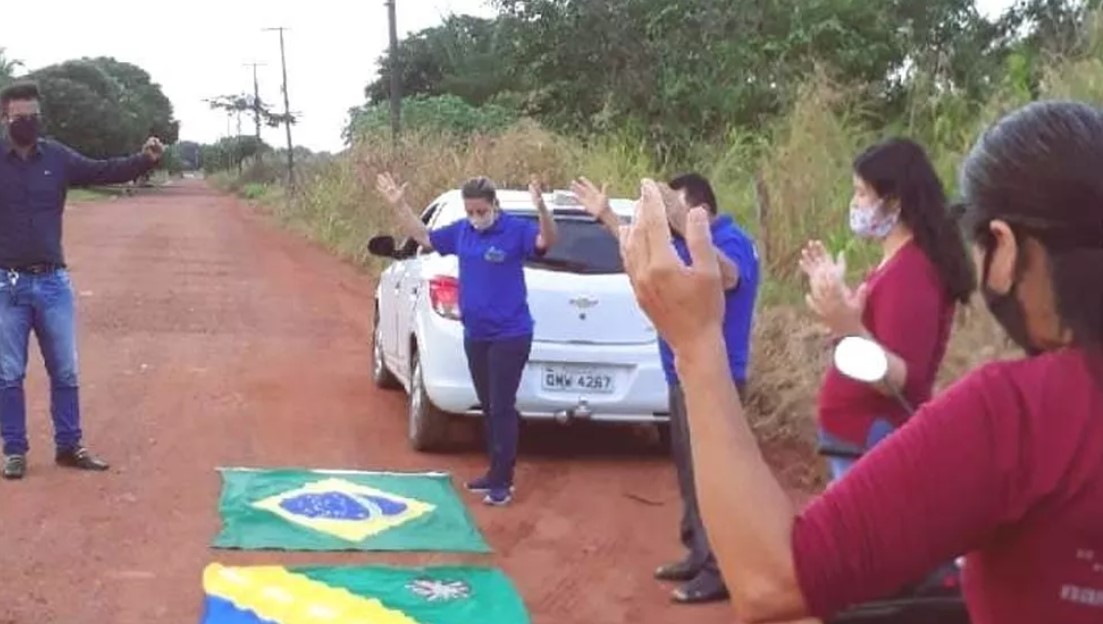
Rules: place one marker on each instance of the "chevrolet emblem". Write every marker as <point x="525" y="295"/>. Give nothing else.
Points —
<point x="583" y="302"/>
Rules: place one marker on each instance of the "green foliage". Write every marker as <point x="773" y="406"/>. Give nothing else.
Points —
<point x="8" y="67"/>
<point x="446" y="114"/>
<point x="102" y="107"/>
<point x="231" y="153"/>
<point x="463" y="56"/>
<point x="245" y="103"/>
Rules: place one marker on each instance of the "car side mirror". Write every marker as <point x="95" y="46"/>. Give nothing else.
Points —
<point x="861" y="359"/>
<point x="382" y="246"/>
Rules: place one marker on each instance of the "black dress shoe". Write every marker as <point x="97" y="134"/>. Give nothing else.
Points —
<point x="15" y="466"/>
<point x="80" y="459"/>
<point x="678" y="572"/>
<point x="707" y="586"/>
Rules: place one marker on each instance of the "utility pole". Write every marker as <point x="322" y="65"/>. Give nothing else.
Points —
<point x="286" y="109"/>
<point x="396" y="97"/>
<point x="256" y="96"/>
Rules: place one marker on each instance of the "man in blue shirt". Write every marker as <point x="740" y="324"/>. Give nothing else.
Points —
<point x="35" y="290"/>
<point x="739" y="272"/>
<point x="703" y="582"/>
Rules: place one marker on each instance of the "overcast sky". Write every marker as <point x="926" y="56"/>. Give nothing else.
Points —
<point x="197" y="49"/>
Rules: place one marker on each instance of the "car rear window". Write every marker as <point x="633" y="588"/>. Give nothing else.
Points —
<point x="583" y="246"/>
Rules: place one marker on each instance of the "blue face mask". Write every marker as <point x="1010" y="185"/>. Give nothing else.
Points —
<point x="871" y="222"/>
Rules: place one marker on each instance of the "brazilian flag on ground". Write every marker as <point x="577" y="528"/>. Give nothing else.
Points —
<point x="343" y="510"/>
<point x="359" y="595"/>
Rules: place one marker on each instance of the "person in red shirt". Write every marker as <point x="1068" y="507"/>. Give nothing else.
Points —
<point x="906" y="303"/>
<point x="1004" y="467"/>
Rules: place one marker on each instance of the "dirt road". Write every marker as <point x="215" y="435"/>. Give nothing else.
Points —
<point x="210" y="337"/>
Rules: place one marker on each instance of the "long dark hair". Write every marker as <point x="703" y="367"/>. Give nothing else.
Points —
<point x="899" y="169"/>
<point x="1040" y="169"/>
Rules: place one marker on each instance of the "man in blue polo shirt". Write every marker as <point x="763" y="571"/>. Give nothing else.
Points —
<point x="35" y="291"/>
<point x="699" y="572"/>
<point x="739" y="272"/>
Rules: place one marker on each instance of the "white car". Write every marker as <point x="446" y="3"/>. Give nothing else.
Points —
<point x="594" y="353"/>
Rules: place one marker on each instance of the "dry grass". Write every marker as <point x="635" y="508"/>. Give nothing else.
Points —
<point x="804" y="162"/>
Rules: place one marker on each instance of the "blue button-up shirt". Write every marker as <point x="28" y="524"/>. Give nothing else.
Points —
<point x="32" y="196"/>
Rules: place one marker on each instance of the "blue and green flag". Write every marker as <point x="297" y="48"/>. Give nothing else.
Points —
<point x="359" y="595"/>
<point x="343" y="510"/>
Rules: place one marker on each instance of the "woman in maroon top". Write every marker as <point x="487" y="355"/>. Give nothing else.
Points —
<point x="1005" y="467"/>
<point x="906" y="303"/>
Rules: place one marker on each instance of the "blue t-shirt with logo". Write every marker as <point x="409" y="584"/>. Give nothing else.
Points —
<point x="739" y="302"/>
<point x="493" y="296"/>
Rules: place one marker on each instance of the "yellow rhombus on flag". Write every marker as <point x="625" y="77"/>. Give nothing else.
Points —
<point x="276" y="595"/>
<point x="352" y="529"/>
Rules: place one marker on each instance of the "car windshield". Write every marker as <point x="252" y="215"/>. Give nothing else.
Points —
<point x="583" y="246"/>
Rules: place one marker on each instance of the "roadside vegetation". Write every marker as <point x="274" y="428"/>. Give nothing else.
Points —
<point x="769" y="100"/>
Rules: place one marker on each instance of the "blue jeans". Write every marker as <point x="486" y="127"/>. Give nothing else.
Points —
<point x="496" y="367"/>
<point x="879" y="430"/>
<point x="43" y="304"/>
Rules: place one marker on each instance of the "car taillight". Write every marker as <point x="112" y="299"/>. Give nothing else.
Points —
<point x="444" y="296"/>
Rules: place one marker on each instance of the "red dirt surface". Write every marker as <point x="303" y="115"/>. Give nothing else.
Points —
<point x="209" y="337"/>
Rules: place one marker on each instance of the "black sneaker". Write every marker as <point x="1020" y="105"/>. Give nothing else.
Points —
<point x="80" y="459"/>
<point x="681" y="571"/>
<point x="15" y="466"/>
<point x="498" y="497"/>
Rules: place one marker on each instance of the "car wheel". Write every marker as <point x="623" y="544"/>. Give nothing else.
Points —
<point x="381" y="376"/>
<point x="428" y="430"/>
<point x="663" y="429"/>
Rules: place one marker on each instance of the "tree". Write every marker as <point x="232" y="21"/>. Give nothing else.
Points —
<point x="102" y="107"/>
<point x="8" y="67"/>
<point x="465" y="56"/>
<point x="143" y="99"/>
<point x="246" y="103"/>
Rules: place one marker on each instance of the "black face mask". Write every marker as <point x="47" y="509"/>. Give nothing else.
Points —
<point x="23" y="131"/>
<point x="1008" y="311"/>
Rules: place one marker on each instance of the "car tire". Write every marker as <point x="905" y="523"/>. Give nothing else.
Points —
<point x="663" y="429"/>
<point x="428" y="425"/>
<point x="381" y="375"/>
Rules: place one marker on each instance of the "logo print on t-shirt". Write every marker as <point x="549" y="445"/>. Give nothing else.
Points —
<point x="493" y="254"/>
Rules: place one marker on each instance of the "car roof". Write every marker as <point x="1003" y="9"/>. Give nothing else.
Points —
<point x="519" y="201"/>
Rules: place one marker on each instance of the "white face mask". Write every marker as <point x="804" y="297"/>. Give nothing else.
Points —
<point x="483" y="222"/>
<point x="870" y="222"/>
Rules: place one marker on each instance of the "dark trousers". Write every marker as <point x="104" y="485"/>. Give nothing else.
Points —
<point x="693" y="530"/>
<point x="496" y="367"/>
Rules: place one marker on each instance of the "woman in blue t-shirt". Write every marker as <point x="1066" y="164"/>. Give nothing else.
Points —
<point x="492" y="247"/>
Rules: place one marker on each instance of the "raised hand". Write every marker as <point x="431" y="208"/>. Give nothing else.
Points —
<point x="390" y="190"/>
<point x="686" y="303"/>
<point x="838" y="307"/>
<point x="536" y="192"/>
<point x="594" y="201"/>
<point x="153" y="149"/>
<point x="815" y="259"/>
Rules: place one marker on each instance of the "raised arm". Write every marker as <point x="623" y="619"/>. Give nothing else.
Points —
<point x="84" y="171"/>
<point x="548" y="230"/>
<point x="894" y="518"/>
<point x="595" y="201"/>
<point x="408" y="221"/>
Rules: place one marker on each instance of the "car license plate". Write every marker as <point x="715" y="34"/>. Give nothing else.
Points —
<point x="572" y="379"/>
